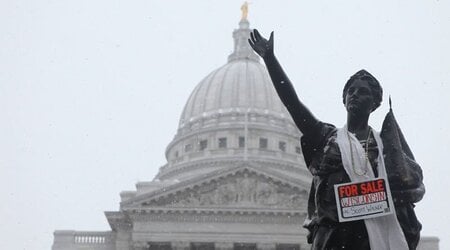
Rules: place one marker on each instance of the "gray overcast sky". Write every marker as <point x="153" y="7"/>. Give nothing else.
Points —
<point x="91" y="92"/>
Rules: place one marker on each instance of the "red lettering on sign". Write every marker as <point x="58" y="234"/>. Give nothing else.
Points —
<point x="349" y="190"/>
<point x="372" y="187"/>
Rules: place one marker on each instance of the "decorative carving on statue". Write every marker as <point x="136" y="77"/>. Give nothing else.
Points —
<point x="244" y="189"/>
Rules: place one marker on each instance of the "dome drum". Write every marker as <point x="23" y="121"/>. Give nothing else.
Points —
<point x="238" y="116"/>
<point x="234" y="142"/>
<point x="233" y="137"/>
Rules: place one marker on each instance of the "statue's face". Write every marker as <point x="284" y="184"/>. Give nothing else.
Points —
<point x="359" y="99"/>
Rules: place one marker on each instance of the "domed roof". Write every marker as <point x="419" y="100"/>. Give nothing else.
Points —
<point x="237" y="86"/>
<point x="234" y="116"/>
<point x="241" y="84"/>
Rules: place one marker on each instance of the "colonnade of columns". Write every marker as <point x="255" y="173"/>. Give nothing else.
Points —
<point x="185" y="245"/>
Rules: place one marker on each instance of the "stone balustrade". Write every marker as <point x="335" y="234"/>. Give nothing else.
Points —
<point x="68" y="239"/>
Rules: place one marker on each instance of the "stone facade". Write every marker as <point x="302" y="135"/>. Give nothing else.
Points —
<point x="234" y="179"/>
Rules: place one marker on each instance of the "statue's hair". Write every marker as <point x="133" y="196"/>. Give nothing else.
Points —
<point x="375" y="87"/>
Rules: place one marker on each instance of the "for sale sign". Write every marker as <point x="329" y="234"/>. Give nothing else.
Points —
<point x="363" y="200"/>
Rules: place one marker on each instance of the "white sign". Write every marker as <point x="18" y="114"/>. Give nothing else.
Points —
<point x="363" y="200"/>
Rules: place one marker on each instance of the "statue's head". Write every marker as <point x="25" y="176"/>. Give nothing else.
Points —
<point x="362" y="92"/>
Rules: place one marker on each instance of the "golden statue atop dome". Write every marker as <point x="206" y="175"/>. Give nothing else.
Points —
<point x="244" y="9"/>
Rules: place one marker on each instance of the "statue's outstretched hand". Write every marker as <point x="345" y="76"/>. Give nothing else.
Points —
<point x="260" y="45"/>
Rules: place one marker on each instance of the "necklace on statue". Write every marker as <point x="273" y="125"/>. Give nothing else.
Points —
<point x="360" y="172"/>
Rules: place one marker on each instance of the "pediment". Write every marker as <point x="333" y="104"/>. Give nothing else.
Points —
<point x="244" y="188"/>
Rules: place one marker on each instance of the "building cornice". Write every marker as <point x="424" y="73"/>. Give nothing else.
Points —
<point x="197" y="181"/>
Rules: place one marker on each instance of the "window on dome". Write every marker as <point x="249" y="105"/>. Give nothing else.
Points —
<point x="176" y="154"/>
<point x="241" y="141"/>
<point x="222" y="142"/>
<point x="188" y="148"/>
<point x="263" y="142"/>
<point x="202" y="145"/>
<point x="298" y="150"/>
<point x="282" y="146"/>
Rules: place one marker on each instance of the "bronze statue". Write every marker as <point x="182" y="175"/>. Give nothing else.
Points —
<point x="353" y="154"/>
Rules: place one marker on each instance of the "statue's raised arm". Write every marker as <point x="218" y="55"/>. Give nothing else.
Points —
<point x="302" y="117"/>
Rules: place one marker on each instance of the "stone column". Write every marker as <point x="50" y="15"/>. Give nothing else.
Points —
<point x="181" y="245"/>
<point x="123" y="240"/>
<point x="140" y="245"/>
<point x="266" y="246"/>
<point x="223" y="246"/>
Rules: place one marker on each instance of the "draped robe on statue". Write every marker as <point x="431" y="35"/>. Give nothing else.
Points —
<point x="322" y="156"/>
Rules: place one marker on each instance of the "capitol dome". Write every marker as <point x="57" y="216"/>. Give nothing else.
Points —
<point x="233" y="117"/>
<point x="241" y="84"/>
<point x="237" y="86"/>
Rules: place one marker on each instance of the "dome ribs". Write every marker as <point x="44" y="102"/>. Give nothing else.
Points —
<point x="225" y="93"/>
